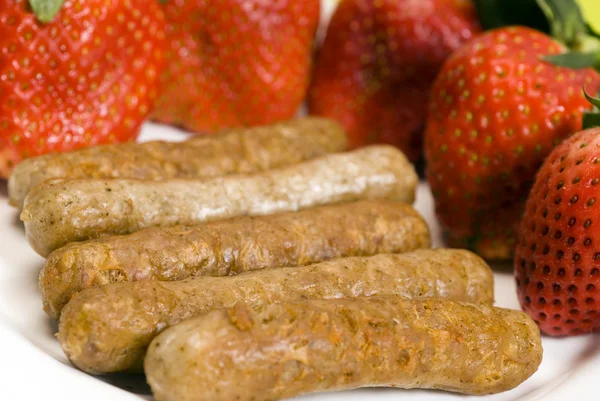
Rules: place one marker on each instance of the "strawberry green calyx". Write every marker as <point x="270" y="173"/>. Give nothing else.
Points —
<point x="591" y="119"/>
<point x="566" y="21"/>
<point x="46" y="10"/>
<point x="575" y="60"/>
<point x="570" y="25"/>
<point x="572" y="22"/>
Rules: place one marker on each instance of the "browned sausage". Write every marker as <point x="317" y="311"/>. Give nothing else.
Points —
<point x="244" y="150"/>
<point x="281" y="351"/>
<point x="107" y="329"/>
<point x="233" y="246"/>
<point x="60" y="212"/>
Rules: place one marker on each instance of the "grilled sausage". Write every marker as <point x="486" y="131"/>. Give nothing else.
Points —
<point x="228" y="247"/>
<point x="59" y="212"/>
<point x="246" y="150"/>
<point x="107" y="329"/>
<point x="281" y="351"/>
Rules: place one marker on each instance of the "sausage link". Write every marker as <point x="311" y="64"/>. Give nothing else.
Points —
<point x="64" y="211"/>
<point x="228" y="247"/>
<point x="245" y="150"/>
<point x="281" y="351"/>
<point x="107" y="329"/>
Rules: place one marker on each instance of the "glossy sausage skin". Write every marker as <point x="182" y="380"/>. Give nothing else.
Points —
<point x="64" y="211"/>
<point x="107" y="329"/>
<point x="281" y="351"/>
<point x="229" y="247"/>
<point x="239" y="151"/>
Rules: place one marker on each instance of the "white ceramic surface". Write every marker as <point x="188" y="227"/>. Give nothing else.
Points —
<point x="33" y="367"/>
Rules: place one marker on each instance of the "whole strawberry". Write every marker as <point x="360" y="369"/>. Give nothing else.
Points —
<point x="557" y="259"/>
<point x="89" y="76"/>
<point x="236" y="62"/>
<point x="377" y="64"/>
<point x="496" y="111"/>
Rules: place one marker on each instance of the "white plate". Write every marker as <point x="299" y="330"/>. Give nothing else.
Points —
<point x="33" y="367"/>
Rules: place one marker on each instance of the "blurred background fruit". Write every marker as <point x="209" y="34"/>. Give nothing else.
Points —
<point x="86" y="77"/>
<point x="377" y="63"/>
<point x="236" y="62"/>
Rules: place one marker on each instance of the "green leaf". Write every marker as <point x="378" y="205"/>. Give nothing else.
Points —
<point x="498" y="13"/>
<point x="566" y="21"/>
<point x="575" y="60"/>
<point x="46" y="10"/>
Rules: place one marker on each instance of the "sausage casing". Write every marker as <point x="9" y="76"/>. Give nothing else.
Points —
<point x="63" y="211"/>
<point x="228" y="247"/>
<point x="281" y="351"/>
<point x="239" y="151"/>
<point x="107" y="329"/>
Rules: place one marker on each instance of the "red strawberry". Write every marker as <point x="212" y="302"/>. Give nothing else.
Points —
<point x="558" y="256"/>
<point x="378" y="62"/>
<point x="496" y="110"/>
<point x="88" y="77"/>
<point x="236" y="62"/>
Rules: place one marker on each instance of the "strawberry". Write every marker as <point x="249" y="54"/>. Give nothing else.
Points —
<point x="377" y="64"/>
<point x="87" y="77"/>
<point x="557" y="259"/>
<point x="236" y="62"/>
<point x="496" y="111"/>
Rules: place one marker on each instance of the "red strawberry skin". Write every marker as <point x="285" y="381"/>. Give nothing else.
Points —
<point x="236" y="62"/>
<point x="496" y="111"/>
<point x="377" y="64"/>
<point x="89" y="77"/>
<point x="557" y="260"/>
